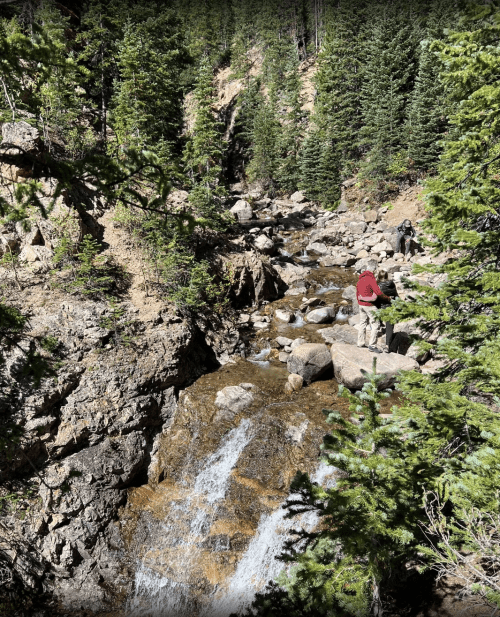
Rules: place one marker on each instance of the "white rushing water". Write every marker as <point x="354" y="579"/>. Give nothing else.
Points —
<point x="259" y="564"/>
<point x="341" y="316"/>
<point x="260" y="359"/>
<point x="326" y="288"/>
<point x="299" y="320"/>
<point x="159" y="596"/>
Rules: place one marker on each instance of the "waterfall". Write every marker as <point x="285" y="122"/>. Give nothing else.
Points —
<point x="161" y="596"/>
<point x="259" y="565"/>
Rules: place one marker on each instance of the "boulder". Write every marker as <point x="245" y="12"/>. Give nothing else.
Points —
<point x="232" y="400"/>
<point x="343" y="207"/>
<point x="318" y="247"/>
<point x="310" y="361"/>
<point x="381" y="247"/>
<point x="285" y="316"/>
<point x="297" y="197"/>
<point x="261" y="325"/>
<point x="326" y="314"/>
<point x="349" y="293"/>
<point x="433" y="366"/>
<point x="296" y="342"/>
<point x="362" y="264"/>
<point x="362" y="254"/>
<point x="253" y="280"/>
<point x="295" y="381"/>
<point x="242" y="210"/>
<point x="338" y="259"/>
<point x="283" y="341"/>
<point x="264" y="244"/>
<point x="21" y="134"/>
<point x="371" y="216"/>
<point x="291" y="273"/>
<point x="351" y="365"/>
<point x="373" y="240"/>
<point x="35" y="253"/>
<point x="327" y="234"/>
<point x="357" y="227"/>
<point x="340" y="334"/>
<point x="283" y="356"/>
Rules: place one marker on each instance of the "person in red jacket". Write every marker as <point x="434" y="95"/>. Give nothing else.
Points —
<point x="367" y="293"/>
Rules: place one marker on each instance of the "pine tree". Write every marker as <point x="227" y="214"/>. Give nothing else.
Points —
<point x="338" y="81"/>
<point x="427" y="113"/>
<point x="147" y="110"/>
<point x="293" y="123"/>
<point x="102" y="30"/>
<point x="264" y="148"/>
<point x="205" y="149"/>
<point x="320" y="168"/>
<point x="388" y="70"/>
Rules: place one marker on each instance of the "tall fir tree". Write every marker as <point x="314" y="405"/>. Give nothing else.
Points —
<point x="338" y="81"/>
<point x="427" y="113"/>
<point x="147" y="107"/>
<point x="204" y="151"/>
<point x="388" y="73"/>
<point x="265" y="134"/>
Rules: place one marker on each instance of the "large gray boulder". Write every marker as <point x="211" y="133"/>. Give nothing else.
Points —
<point x="352" y="365"/>
<point x="232" y="400"/>
<point x="264" y="244"/>
<point x="297" y="197"/>
<point x="326" y="314"/>
<point x="242" y="210"/>
<point x="318" y="247"/>
<point x="363" y="264"/>
<point x="21" y="134"/>
<point x="310" y="361"/>
<point x="340" y="334"/>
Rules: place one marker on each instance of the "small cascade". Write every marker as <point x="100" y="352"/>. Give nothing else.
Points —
<point x="299" y="320"/>
<point x="164" y="589"/>
<point x="260" y="359"/>
<point x="304" y="256"/>
<point x="326" y="288"/>
<point x="259" y="564"/>
<point x="341" y="316"/>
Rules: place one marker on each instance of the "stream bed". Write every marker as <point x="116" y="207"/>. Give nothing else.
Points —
<point x="204" y="534"/>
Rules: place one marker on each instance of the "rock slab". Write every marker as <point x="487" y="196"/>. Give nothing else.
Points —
<point x="232" y="400"/>
<point x="310" y="361"/>
<point x="351" y="366"/>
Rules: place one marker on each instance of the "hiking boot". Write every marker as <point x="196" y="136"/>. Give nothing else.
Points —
<point x="375" y="350"/>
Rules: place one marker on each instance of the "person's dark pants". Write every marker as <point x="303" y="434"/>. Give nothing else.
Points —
<point x="389" y="333"/>
<point x="404" y="243"/>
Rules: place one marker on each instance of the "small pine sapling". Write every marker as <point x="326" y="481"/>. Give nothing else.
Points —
<point x="366" y="518"/>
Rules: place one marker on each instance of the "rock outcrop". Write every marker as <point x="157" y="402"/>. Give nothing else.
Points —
<point x="310" y="361"/>
<point x="351" y="365"/>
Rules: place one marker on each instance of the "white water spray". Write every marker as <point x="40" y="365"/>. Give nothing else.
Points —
<point x="259" y="564"/>
<point x="157" y="595"/>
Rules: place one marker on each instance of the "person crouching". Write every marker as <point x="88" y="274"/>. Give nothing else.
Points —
<point x="367" y="294"/>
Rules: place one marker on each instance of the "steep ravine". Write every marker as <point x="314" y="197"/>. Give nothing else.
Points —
<point x="163" y="498"/>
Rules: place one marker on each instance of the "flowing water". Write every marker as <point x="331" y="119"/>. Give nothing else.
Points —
<point x="203" y="536"/>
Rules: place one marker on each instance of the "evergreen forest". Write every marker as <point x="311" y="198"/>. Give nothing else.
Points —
<point x="392" y="93"/>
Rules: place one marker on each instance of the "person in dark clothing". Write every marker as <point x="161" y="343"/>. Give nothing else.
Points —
<point x="406" y="237"/>
<point x="388" y="288"/>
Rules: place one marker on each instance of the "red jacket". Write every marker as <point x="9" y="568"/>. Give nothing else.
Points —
<point x="367" y="285"/>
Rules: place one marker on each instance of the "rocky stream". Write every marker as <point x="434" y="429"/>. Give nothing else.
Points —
<point x="168" y="465"/>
